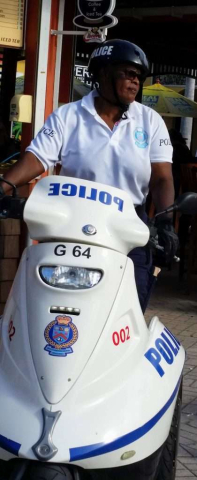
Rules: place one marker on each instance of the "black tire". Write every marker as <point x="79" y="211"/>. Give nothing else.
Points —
<point x="47" y="472"/>
<point x="167" y="464"/>
<point x="2" y="471"/>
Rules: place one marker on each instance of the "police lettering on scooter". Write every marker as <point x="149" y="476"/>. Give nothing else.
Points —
<point x="108" y="137"/>
<point x="166" y="348"/>
<point x="71" y="190"/>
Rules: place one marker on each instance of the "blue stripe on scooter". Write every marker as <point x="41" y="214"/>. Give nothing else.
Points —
<point x="9" y="445"/>
<point x="79" y="453"/>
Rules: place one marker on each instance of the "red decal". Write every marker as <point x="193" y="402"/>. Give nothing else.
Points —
<point x="127" y="330"/>
<point x="121" y="337"/>
<point x="115" y="338"/>
<point x="11" y="330"/>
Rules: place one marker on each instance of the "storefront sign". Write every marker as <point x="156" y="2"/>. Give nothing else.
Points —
<point x="11" y="23"/>
<point x="81" y="72"/>
<point x="95" y="9"/>
<point x="94" y="35"/>
<point x="95" y="14"/>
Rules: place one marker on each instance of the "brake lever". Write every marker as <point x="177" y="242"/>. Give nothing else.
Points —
<point x="12" y="207"/>
<point x="3" y="216"/>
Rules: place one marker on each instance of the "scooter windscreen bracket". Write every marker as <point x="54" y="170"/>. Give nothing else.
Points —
<point x="44" y="449"/>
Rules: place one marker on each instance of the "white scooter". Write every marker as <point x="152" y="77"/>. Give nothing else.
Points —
<point x="87" y="389"/>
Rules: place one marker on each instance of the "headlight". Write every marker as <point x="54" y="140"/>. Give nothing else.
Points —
<point x="72" y="278"/>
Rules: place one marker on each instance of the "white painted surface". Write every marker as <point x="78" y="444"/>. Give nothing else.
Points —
<point x="42" y="65"/>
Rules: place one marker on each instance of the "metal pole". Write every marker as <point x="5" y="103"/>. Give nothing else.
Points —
<point x="58" y="55"/>
<point x="42" y="64"/>
<point x="187" y="122"/>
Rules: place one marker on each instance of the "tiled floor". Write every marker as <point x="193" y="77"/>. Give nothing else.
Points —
<point x="179" y="313"/>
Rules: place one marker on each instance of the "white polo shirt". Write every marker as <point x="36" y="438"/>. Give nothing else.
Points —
<point x="77" y="137"/>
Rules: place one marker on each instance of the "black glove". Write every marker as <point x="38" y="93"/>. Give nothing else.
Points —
<point x="4" y="202"/>
<point x="2" y="193"/>
<point x="167" y="238"/>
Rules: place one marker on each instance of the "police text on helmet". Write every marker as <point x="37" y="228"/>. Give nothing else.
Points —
<point x="102" y="51"/>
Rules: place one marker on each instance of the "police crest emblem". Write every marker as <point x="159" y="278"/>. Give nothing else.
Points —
<point x="141" y="137"/>
<point x="60" y="335"/>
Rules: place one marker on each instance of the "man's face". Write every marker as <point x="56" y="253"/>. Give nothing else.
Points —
<point x="127" y="81"/>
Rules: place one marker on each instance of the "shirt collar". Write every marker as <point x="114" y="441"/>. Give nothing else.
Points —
<point x="87" y="102"/>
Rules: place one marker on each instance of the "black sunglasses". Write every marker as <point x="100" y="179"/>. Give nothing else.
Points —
<point x="129" y="74"/>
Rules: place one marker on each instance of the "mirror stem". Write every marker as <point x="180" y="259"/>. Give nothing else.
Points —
<point x="170" y="209"/>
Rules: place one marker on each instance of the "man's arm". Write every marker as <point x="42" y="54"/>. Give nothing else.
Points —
<point x="46" y="146"/>
<point x="162" y="185"/>
<point x="162" y="189"/>
<point x="26" y="169"/>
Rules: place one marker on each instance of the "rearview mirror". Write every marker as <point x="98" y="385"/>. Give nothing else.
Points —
<point x="185" y="203"/>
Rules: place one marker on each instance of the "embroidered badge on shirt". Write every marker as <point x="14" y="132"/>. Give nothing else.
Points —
<point x="141" y="137"/>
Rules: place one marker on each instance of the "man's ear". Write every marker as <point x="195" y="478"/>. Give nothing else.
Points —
<point x="100" y="77"/>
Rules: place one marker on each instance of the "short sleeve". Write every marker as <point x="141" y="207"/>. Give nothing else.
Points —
<point x="160" y="146"/>
<point x="47" y="144"/>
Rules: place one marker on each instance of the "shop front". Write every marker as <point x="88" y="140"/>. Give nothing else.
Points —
<point x="45" y="46"/>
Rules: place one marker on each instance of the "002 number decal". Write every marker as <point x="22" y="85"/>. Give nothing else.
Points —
<point x="60" y="250"/>
<point x="121" y="337"/>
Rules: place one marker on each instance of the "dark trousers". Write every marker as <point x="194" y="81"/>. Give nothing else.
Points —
<point x="143" y="268"/>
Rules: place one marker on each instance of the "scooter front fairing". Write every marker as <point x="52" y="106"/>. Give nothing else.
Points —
<point x="86" y="352"/>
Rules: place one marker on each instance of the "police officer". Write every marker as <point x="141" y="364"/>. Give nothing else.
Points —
<point x="109" y="138"/>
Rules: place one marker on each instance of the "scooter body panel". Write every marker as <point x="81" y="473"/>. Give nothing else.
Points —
<point x="59" y="208"/>
<point x="114" y="380"/>
<point x="94" y="403"/>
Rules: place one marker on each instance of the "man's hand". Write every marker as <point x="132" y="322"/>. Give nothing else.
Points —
<point x="167" y="238"/>
<point x="2" y="193"/>
<point x="24" y="170"/>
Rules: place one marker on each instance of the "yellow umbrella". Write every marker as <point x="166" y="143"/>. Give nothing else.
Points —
<point x="167" y="102"/>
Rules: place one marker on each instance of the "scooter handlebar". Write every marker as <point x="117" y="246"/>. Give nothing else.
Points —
<point x="153" y="240"/>
<point x="12" y="207"/>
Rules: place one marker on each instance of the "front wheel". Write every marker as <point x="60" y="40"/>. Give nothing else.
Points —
<point x="167" y="464"/>
<point x="47" y="472"/>
<point x="26" y="470"/>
